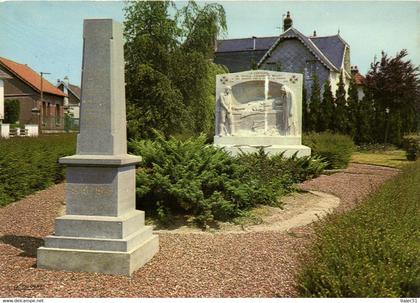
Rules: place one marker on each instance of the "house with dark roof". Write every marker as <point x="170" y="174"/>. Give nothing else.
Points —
<point x="40" y="102"/>
<point x="291" y="51"/>
<point x="72" y="100"/>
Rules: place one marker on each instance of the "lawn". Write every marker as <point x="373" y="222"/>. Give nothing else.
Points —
<point x="391" y="158"/>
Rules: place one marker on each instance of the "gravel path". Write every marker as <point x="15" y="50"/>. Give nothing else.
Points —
<point x="257" y="264"/>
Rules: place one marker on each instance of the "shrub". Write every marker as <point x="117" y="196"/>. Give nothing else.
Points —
<point x="371" y="251"/>
<point x="292" y="169"/>
<point x="11" y="111"/>
<point x="31" y="164"/>
<point x="205" y="182"/>
<point x="336" y="149"/>
<point x="411" y="146"/>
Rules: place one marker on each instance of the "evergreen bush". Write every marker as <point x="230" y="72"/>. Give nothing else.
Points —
<point x="205" y="182"/>
<point x="336" y="149"/>
<point x="411" y="146"/>
<point x="11" y="111"/>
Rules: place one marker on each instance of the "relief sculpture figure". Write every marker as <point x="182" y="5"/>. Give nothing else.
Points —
<point x="290" y="114"/>
<point x="224" y="113"/>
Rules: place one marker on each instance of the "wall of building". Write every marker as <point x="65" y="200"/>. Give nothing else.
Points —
<point x="294" y="57"/>
<point x="335" y="79"/>
<point x="28" y="98"/>
<point x="1" y="99"/>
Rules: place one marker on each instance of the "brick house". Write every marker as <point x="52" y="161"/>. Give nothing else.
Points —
<point x="25" y="86"/>
<point x="291" y="51"/>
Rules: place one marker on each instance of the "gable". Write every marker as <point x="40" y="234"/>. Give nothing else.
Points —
<point x="293" y="33"/>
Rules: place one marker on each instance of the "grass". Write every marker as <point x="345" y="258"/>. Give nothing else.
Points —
<point x="390" y="158"/>
<point x="371" y="251"/>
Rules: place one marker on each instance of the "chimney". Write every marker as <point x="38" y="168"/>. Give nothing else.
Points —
<point x="287" y="22"/>
<point x="254" y="41"/>
<point x="354" y="70"/>
<point x="66" y="91"/>
<point x="66" y="81"/>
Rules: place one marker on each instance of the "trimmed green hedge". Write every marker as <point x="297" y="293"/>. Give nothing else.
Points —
<point x="206" y="183"/>
<point x="335" y="148"/>
<point x="371" y="251"/>
<point x="31" y="164"/>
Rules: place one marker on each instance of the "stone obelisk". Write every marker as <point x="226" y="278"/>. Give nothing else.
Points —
<point x="101" y="230"/>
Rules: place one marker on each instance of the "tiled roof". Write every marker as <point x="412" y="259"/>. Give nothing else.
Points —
<point x="4" y="75"/>
<point x="245" y="44"/>
<point x="330" y="49"/>
<point x="76" y="90"/>
<point x="30" y="77"/>
<point x="359" y="79"/>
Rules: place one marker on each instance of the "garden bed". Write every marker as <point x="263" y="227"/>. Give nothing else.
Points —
<point x="254" y="264"/>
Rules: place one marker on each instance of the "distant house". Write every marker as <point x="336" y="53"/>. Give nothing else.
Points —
<point x="291" y="51"/>
<point x="72" y="100"/>
<point x="25" y="85"/>
<point x="359" y="80"/>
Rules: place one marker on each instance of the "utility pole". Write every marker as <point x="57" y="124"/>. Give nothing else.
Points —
<point x="37" y="109"/>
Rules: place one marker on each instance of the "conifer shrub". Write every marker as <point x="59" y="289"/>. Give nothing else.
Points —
<point x="411" y="146"/>
<point x="336" y="149"/>
<point x="31" y="164"/>
<point x="11" y="111"/>
<point x="371" y="251"/>
<point x="202" y="181"/>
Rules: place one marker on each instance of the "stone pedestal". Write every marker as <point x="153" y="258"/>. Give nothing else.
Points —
<point x="101" y="230"/>
<point x="272" y="145"/>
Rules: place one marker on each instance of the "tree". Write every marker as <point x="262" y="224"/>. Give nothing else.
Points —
<point x="340" y="124"/>
<point x="394" y="84"/>
<point x="315" y="106"/>
<point x="169" y="74"/>
<point x="365" y="120"/>
<point x="352" y="109"/>
<point x="11" y="111"/>
<point x="305" y="114"/>
<point x="327" y="107"/>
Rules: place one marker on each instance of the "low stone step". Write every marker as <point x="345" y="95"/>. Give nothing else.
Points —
<point x="99" y="227"/>
<point x="108" y="262"/>
<point x="124" y="245"/>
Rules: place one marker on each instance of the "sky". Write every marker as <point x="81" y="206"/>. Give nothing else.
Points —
<point x="47" y="35"/>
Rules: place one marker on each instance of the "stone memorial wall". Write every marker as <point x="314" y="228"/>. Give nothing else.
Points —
<point x="259" y="108"/>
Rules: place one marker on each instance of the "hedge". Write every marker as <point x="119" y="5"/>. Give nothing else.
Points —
<point x="335" y="148"/>
<point x="31" y="164"/>
<point x="371" y="251"/>
<point x="411" y="144"/>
